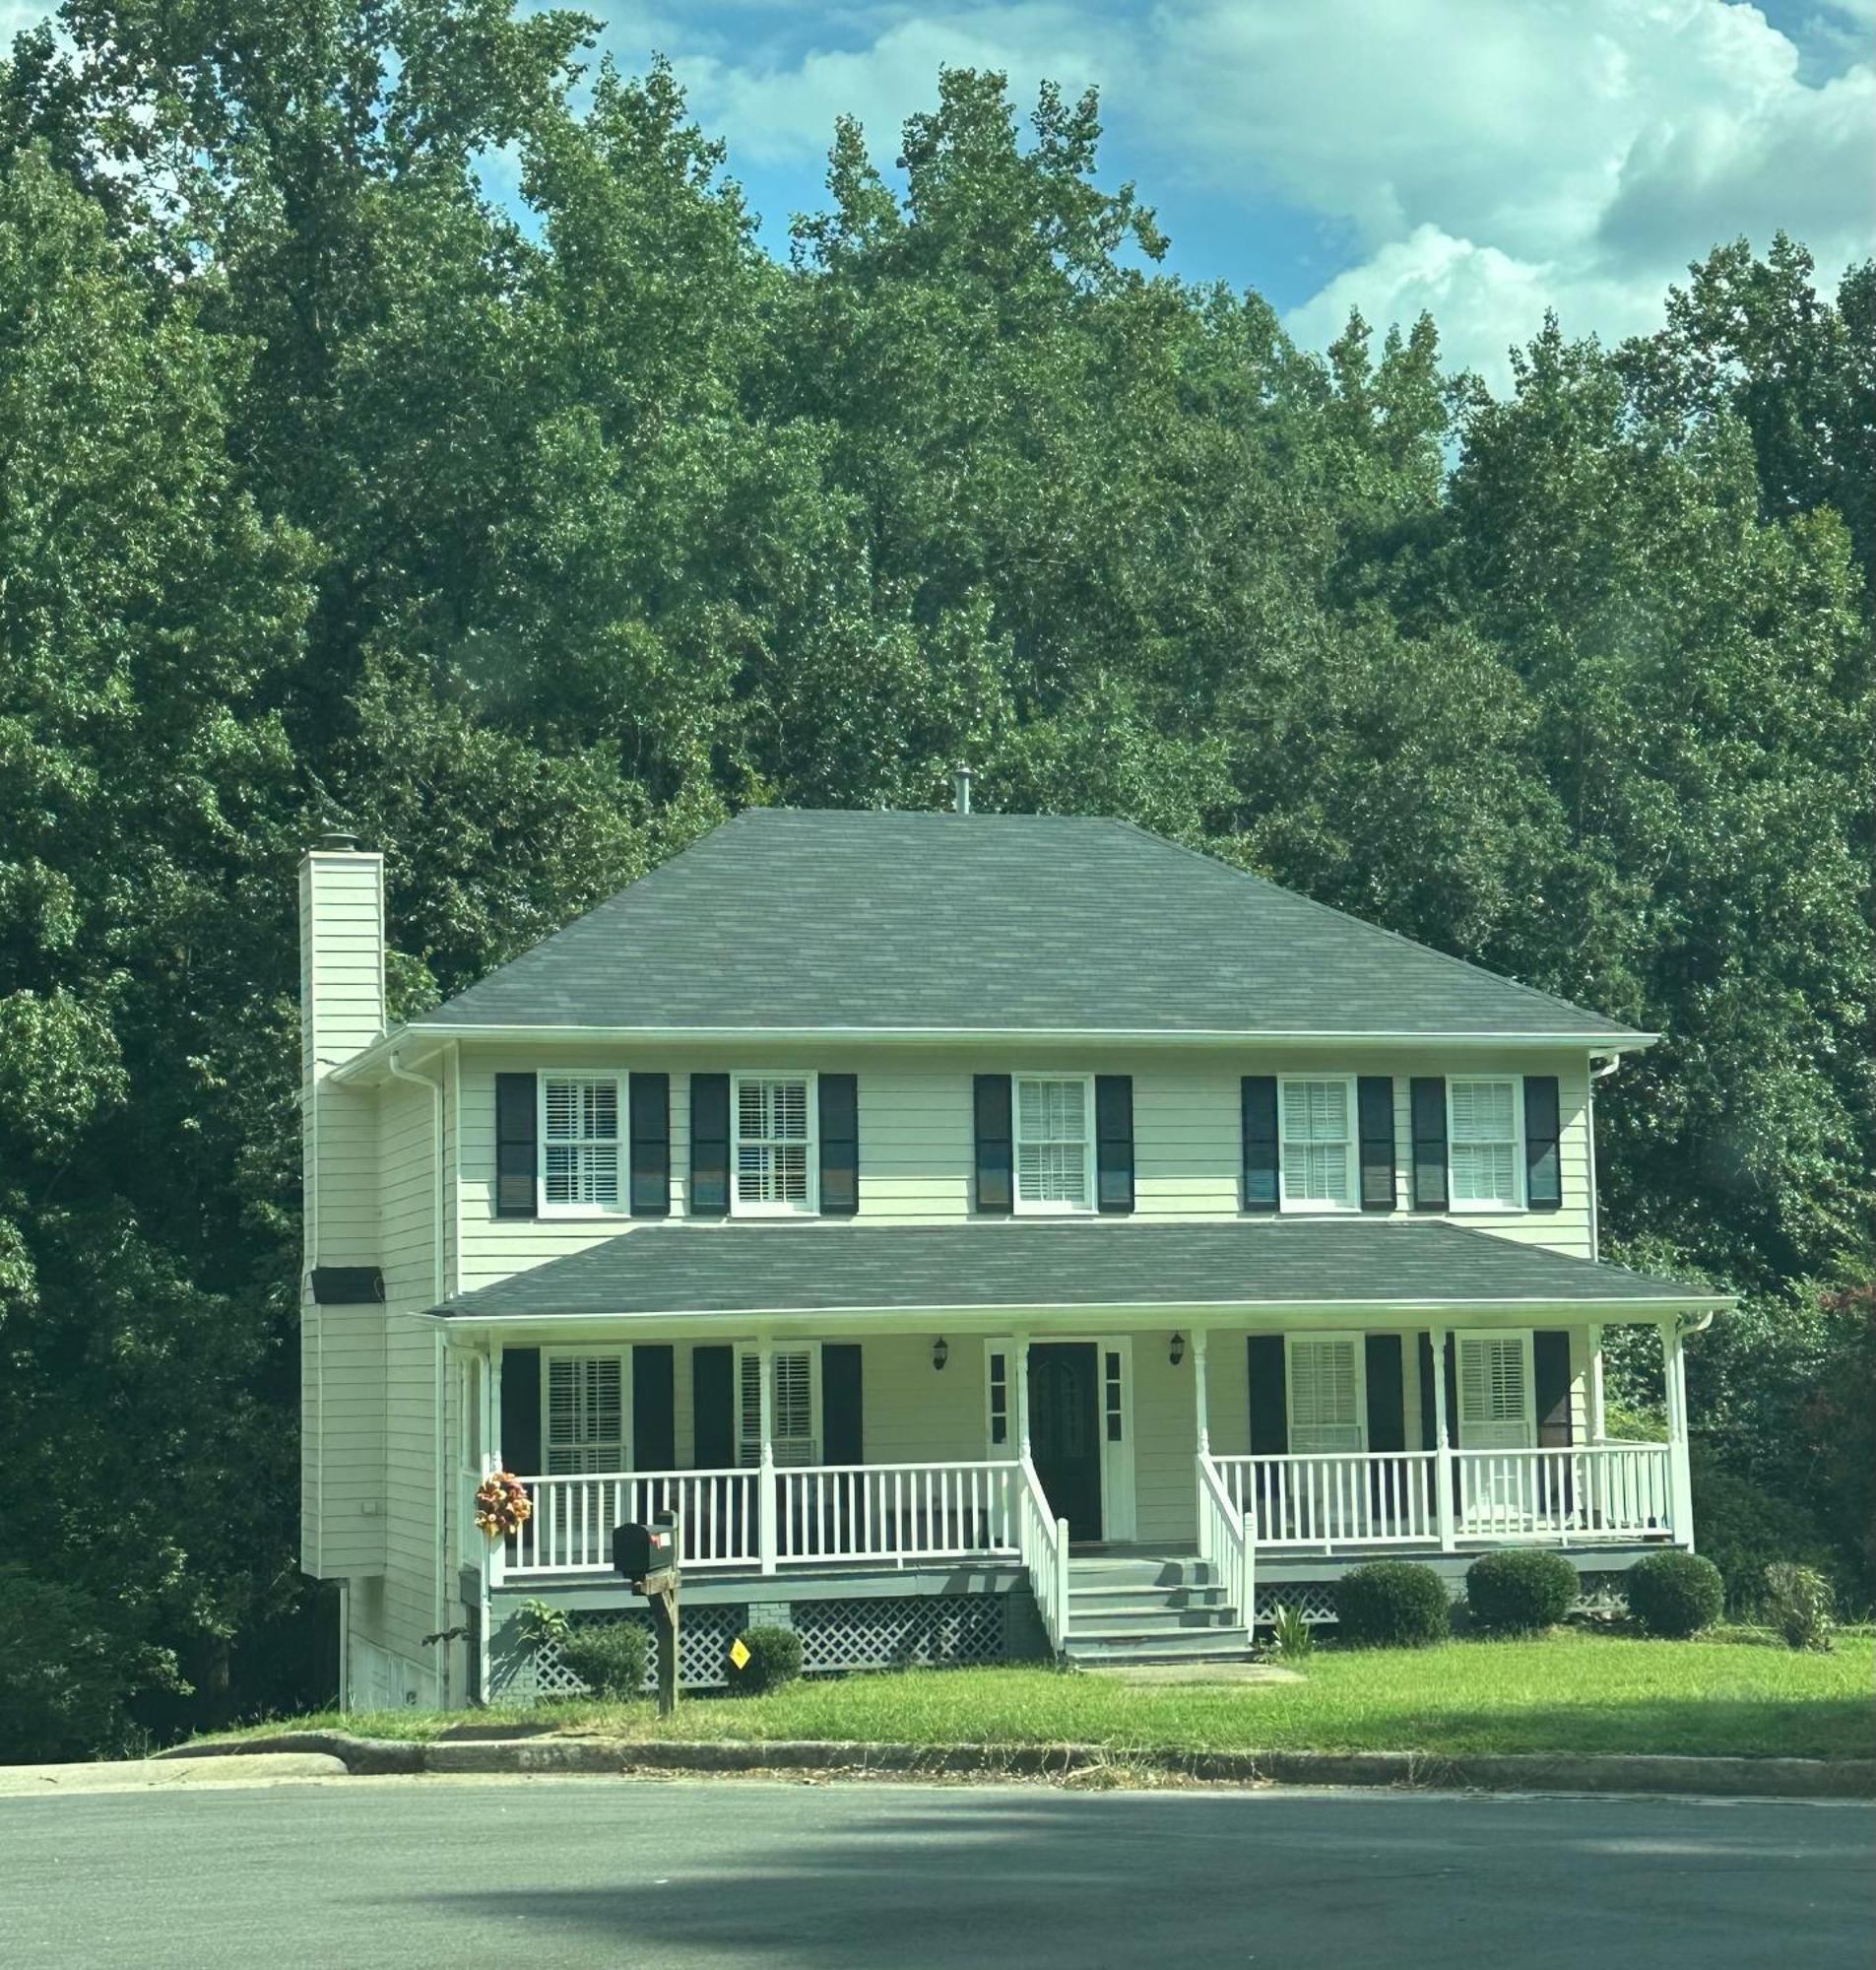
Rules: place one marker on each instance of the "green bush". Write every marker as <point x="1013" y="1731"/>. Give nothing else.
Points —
<point x="775" y="1658"/>
<point x="1744" y="1527"/>
<point x="611" y="1657"/>
<point x="1799" y="1604"/>
<point x="62" y="1684"/>
<point x="1391" y="1604"/>
<point x="1675" y="1594"/>
<point x="1519" y="1592"/>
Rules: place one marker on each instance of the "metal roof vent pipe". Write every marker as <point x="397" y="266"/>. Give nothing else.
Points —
<point x="961" y="788"/>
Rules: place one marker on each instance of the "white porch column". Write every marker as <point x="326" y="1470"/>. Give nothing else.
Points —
<point x="765" y="1470"/>
<point x="1019" y="1367"/>
<point x="1204" y="1434"/>
<point x="492" y="1459"/>
<point x="1442" y="1443"/>
<point x="1598" y="1420"/>
<point x="1679" y="1473"/>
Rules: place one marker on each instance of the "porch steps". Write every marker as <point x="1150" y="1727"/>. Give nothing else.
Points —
<point x="1147" y="1608"/>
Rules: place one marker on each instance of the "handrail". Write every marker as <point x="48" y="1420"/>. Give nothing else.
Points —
<point x="1227" y="1540"/>
<point x="1043" y="1542"/>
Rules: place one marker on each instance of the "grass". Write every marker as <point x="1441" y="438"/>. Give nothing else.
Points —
<point x="1575" y="1691"/>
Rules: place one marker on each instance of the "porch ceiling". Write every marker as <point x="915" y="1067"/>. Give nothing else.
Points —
<point x="1188" y="1267"/>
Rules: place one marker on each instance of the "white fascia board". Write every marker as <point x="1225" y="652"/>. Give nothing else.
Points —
<point x="1384" y="1313"/>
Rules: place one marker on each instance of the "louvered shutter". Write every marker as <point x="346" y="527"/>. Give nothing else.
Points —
<point x="586" y="1414"/>
<point x="839" y="1144"/>
<point x="650" y="1096"/>
<point x="516" y="1155"/>
<point x="653" y="1407"/>
<point x="1494" y="1392"/>
<point x="1429" y="1143"/>
<point x="1374" y="1101"/>
<point x="990" y="1105"/>
<point x="1114" y="1141"/>
<point x="1326" y="1399"/>
<point x="1543" y="1165"/>
<point x="1257" y="1099"/>
<point x="840" y="1403"/>
<point x="709" y="1145"/>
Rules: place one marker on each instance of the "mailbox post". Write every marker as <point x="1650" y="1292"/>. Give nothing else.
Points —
<point x="649" y="1556"/>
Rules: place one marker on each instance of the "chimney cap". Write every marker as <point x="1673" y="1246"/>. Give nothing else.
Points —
<point x="337" y="841"/>
<point x="962" y="787"/>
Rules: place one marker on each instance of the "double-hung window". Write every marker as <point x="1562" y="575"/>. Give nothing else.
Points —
<point x="1328" y="1396"/>
<point x="580" y="1143"/>
<point x="1483" y="1138"/>
<point x="1497" y="1398"/>
<point x="776" y="1159"/>
<point x="795" y="1375"/>
<point x="1054" y="1143"/>
<point x="1318" y="1152"/>
<point x="584" y="1400"/>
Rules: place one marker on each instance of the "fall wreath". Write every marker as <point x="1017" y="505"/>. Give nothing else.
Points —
<point x="502" y="1504"/>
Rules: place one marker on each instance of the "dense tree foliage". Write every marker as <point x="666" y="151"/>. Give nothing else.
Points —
<point x="532" y="545"/>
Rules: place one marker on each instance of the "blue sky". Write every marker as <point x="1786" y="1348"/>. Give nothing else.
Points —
<point x="1484" y="159"/>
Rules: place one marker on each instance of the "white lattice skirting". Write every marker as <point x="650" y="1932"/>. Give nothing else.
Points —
<point x="936" y="1631"/>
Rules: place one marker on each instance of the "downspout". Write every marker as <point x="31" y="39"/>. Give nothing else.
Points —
<point x="1597" y="1074"/>
<point x="438" y="1481"/>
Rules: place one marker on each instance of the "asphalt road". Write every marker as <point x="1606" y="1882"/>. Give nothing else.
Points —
<point x="570" y="1872"/>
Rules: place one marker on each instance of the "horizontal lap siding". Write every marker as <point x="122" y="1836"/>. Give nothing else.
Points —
<point x="342" y="1463"/>
<point x="912" y="1412"/>
<point x="1165" y="1443"/>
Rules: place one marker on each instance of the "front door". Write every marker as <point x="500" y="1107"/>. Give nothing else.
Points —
<point x="1065" y="1435"/>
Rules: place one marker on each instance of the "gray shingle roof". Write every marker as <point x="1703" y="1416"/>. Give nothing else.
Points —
<point x="744" y="1269"/>
<point x="861" y="921"/>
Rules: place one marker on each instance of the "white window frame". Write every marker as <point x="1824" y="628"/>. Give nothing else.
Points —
<point x="1457" y="1205"/>
<point x="1351" y="1151"/>
<point x="621" y="1205"/>
<point x="809" y="1206"/>
<point x="1359" y="1349"/>
<point x="749" y="1448"/>
<point x="1050" y="1206"/>
<point x="548" y="1356"/>
<point x="1524" y="1336"/>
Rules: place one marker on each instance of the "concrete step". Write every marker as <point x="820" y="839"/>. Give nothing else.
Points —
<point x="1197" y="1645"/>
<point x="1120" y="1599"/>
<point x="1157" y="1622"/>
<point x="1152" y="1570"/>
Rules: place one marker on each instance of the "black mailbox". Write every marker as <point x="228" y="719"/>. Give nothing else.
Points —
<point x="640" y="1551"/>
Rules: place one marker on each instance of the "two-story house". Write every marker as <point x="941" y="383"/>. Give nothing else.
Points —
<point x="996" y="1235"/>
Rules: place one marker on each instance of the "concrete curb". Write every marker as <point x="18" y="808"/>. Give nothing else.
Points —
<point x="1761" y="1778"/>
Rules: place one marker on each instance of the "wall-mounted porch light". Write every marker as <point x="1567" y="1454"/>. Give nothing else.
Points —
<point x="940" y="1354"/>
<point x="1175" y="1353"/>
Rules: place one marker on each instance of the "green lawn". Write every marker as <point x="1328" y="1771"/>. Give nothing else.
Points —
<point x="1575" y="1691"/>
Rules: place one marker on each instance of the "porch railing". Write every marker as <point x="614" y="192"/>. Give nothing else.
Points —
<point x="1597" y="1491"/>
<point x="1227" y="1542"/>
<point x="807" y="1516"/>
<point x="1043" y="1542"/>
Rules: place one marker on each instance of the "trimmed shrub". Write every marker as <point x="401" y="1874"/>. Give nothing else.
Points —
<point x="775" y="1658"/>
<point x="1675" y="1594"/>
<point x="1519" y="1592"/>
<point x="1799" y="1603"/>
<point x="611" y="1657"/>
<point x="1391" y="1604"/>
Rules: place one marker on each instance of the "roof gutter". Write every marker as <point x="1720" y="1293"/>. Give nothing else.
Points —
<point x="368" y="1065"/>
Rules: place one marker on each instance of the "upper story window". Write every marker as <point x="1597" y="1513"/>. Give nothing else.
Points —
<point x="1053" y="1143"/>
<point x="1484" y="1128"/>
<point x="580" y="1141"/>
<point x="776" y="1163"/>
<point x="1319" y="1143"/>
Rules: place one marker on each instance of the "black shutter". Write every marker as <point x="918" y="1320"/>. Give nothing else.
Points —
<point x="1543" y="1167"/>
<point x="654" y="1405"/>
<point x="1114" y="1141"/>
<point x="521" y="1407"/>
<point x="1387" y="1414"/>
<point x="1259" y="1099"/>
<point x="839" y="1147"/>
<point x="1269" y="1395"/>
<point x="709" y="1145"/>
<point x="651" y="1151"/>
<point x="840" y="1403"/>
<point x="713" y="1409"/>
<point x="1429" y="1144"/>
<point x="1550" y="1376"/>
<point x="1375" y="1099"/>
<point x="516" y="1122"/>
<point x="994" y="1145"/>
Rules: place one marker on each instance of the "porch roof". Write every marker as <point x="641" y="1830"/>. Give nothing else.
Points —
<point x="1020" y="1264"/>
